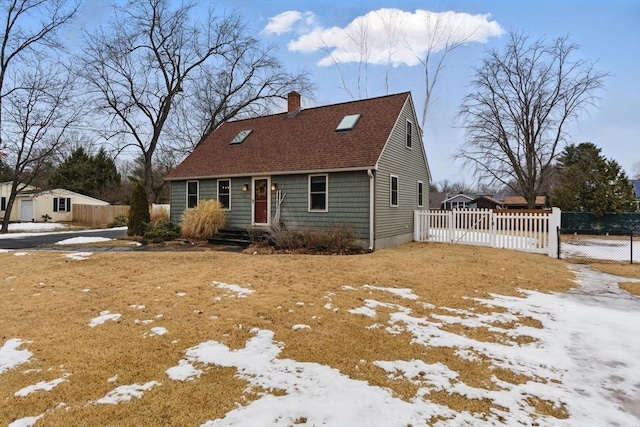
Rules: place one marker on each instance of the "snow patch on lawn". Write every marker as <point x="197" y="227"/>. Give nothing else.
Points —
<point x="185" y="371"/>
<point x="240" y="291"/>
<point x="79" y="256"/>
<point x="11" y="356"/>
<point x="26" y="421"/>
<point x="125" y="393"/>
<point x="42" y="385"/>
<point x="104" y="317"/>
<point x="159" y="330"/>
<point x="405" y="293"/>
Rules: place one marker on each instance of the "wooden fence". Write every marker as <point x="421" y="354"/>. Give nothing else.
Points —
<point x="529" y="231"/>
<point x="98" y="216"/>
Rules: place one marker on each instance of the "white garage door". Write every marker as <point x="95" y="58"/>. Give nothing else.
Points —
<point x="26" y="210"/>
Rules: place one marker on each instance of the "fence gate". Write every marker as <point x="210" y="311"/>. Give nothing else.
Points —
<point x="527" y="230"/>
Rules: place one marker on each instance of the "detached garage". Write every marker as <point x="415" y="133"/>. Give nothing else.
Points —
<point x="35" y="205"/>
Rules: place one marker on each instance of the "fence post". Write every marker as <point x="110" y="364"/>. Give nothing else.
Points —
<point x="554" y="226"/>
<point x="631" y="246"/>
<point x="416" y="226"/>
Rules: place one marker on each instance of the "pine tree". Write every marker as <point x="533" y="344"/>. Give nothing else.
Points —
<point x="139" y="211"/>
<point x="95" y="176"/>
<point x="591" y="183"/>
<point x="74" y="173"/>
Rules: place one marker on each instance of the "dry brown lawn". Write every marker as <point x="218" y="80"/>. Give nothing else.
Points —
<point x="48" y="301"/>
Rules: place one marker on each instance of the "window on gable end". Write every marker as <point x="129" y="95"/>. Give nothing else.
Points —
<point x="393" y="191"/>
<point x="420" y="198"/>
<point x="409" y="133"/>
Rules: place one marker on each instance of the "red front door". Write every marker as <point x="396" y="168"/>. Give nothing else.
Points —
<point x="260" y="206"/>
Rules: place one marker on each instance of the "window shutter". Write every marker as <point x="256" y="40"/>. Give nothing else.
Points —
<point x="3" y="203"/>
<point x="55" y="204"/>
<point x="68" y="204"/>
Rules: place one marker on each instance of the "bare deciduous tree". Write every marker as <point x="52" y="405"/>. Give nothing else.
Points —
<point x="515" y="119"/>
<point x="635" y="172"/>
<point x="440" y="43"/>
<point x="154" y="58"/>
<point x="33" y="115"/>
<point x="38" y="114"/>
<point x="245" y="81"/>
<point x="391" y="22"/>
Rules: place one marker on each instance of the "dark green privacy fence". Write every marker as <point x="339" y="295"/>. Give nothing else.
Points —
<point x="588" y="223"/>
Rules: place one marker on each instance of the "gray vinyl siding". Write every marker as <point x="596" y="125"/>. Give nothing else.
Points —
<point x="178" y="200"/>
<point x="348" y="202"/>
<point x="238" y="216"/>
<point x="395" y="224"/>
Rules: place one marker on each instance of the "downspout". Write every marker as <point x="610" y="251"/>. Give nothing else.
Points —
<point x="371" y="209"/>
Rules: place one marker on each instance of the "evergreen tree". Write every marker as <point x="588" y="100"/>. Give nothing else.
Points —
<point x="588" y="182"/>
<point x="107" y="179"/>
<point x="139" y="211"/>
<point x="95" y="176"/>
<point x="74" y="173"/>
<point x="5" y="171"/>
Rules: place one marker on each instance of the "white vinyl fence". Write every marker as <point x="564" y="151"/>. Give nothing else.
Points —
<point x="529" y="231"/>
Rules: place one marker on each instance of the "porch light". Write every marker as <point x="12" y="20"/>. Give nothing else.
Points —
<point x="274" y="186"/>
<point x="245" y="187"/>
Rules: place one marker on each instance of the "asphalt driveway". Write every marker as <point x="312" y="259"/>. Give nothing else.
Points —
<point x="36" y="240"/>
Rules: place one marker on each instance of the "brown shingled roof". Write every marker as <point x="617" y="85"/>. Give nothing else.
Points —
<point x="519" y="200"/>
<point x="307" y="142"/>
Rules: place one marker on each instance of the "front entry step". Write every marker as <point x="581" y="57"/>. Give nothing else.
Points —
<point x="231" y="236"/>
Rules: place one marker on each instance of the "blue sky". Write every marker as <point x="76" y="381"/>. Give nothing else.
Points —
<point x="607" y="33"/>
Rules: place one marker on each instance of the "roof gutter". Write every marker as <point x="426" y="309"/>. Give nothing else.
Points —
<point x="371" y="208"/>
<point x="271" y="173"/>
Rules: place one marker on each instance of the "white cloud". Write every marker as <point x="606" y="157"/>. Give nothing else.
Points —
<point x="290" y="20"/>
<point x="388" y="35"/>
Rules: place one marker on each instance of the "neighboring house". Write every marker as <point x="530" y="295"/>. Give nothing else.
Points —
<point x="360" y="163"/>
<point x="435" y="199"/>
<point x="458" y="201"/>
<point x="486" y="202"/>
<point x="519" y="202"/>
<point x="32" y="204"/>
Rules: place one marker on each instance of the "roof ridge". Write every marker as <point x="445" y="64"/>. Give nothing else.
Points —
<point x="353" y="101"/>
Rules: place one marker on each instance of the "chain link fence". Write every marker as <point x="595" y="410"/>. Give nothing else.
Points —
<point x="595" y="246"/>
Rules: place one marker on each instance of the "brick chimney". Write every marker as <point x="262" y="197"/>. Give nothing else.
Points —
<point x="293" y="102"/>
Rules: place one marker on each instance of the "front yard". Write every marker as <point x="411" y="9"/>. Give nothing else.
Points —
<point x="422" y="334"/>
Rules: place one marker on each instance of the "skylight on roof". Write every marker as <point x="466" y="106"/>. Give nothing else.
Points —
<point x="241" y="136"/>
<point x="348" y="122"/>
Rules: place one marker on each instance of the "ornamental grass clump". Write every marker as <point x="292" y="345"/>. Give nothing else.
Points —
<point x="159" y="216"/>
<point x="203" y="221"/>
